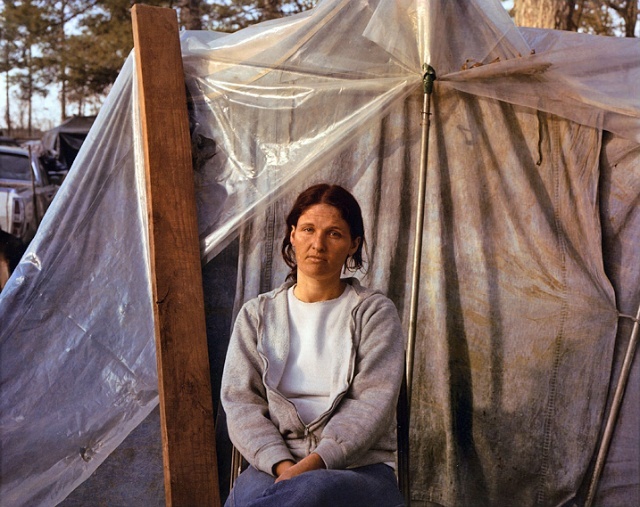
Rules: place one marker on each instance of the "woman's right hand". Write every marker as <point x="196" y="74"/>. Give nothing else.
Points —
<point x="288" y="469"/>
<point x="280" y="467"/>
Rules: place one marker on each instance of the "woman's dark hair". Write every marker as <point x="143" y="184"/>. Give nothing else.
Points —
<point x="344" y="202"/>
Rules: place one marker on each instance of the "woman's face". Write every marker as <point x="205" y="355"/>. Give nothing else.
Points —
<point x="322" y="243"/>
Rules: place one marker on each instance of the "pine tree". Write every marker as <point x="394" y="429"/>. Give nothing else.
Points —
<point x="24" y="28"/>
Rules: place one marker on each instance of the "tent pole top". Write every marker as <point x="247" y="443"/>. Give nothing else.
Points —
<point x="428" y="77"/>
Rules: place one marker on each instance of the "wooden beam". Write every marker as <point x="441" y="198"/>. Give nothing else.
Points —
<point x="186" y="407"/>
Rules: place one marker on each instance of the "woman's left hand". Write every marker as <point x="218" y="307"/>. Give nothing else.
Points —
<point x="311" y="462"/>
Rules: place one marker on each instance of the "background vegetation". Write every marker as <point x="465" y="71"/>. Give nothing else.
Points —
<point x="79" y="46"/>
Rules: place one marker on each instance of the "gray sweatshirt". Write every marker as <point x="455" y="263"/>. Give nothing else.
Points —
<point x="358" y="429"/>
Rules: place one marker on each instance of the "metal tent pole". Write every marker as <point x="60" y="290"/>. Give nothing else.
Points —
<point x="404" y="402"/>
<point x="613" y="411"/>
<point x="427" y="80"/>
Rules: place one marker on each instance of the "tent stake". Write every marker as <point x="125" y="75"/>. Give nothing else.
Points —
<point x="404" y="402"/>
<point x="613" y="411"/>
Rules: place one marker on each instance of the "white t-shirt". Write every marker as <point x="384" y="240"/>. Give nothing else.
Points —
<point x="317" y="331"/>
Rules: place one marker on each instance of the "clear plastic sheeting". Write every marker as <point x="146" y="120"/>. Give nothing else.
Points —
<point x="589" y="79"/>
<point x="262" y="109"/>
<point x="352" y="56"/>
<point x="77" y="352"/>
<point x="530" y="228"/>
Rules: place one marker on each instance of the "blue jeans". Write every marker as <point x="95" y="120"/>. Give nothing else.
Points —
<point x="368" y="486"/>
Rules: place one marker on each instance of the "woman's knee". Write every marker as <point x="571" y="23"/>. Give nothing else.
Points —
<point x="371" y="485"/>
<point x="250" y="485"/>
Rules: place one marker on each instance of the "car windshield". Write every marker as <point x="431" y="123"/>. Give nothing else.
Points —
<point x="14" y="167"/>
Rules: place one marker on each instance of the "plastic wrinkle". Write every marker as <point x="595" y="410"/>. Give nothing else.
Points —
<point x="32" y="258"/>
<point x="630" y="317"/>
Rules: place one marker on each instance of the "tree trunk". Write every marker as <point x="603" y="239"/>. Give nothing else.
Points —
<point x="271" y="9"/>
<point x="190" y="14"/>
<point x="29" y="94"/>
<point x="556" y="14"/>
<point x="628" y="11"/>
<point x="63" y="99"/>
<point x="62" y="43"/>
<point x="8" y="86"/>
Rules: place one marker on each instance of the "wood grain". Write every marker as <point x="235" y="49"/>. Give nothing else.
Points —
<point x="186" y="408"/>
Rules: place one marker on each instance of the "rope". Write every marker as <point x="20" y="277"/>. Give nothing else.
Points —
<point x="630" y="317"/>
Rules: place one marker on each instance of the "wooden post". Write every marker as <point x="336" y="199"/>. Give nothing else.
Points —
<point x="186" y="406"/>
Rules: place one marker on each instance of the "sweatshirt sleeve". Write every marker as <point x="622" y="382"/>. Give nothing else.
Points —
<point x="366" y="414"/>
<point x="244" y="397"/>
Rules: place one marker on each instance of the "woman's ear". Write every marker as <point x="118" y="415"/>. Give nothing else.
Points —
<point x="354" y="245"/>
<point x="292" y="235"/>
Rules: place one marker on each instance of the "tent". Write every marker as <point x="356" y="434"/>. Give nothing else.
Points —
<point x="66" y="139"/>
<point x="529" y="282"/>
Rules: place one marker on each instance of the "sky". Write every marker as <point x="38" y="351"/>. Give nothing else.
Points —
<point x="45" y="110"/>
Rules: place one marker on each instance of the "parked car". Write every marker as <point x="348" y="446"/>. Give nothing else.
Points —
<point x="8" y="141"/>
<point x="25" y="192"/>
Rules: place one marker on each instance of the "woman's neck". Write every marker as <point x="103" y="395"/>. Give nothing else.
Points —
<point x="313" y="291"/>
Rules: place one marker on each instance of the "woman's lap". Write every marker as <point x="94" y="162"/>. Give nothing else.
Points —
<point x="373" y="485"/>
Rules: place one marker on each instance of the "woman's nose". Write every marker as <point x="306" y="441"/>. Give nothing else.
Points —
<point x="318" y="242"/>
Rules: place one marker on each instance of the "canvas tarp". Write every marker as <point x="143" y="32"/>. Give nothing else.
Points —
<point x="66" y="139"/>
<point x="531" y="229"/>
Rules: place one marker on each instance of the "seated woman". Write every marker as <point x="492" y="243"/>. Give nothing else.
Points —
<point x="313" y="371"/>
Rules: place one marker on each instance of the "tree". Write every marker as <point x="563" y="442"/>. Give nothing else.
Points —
<point x="629" y="11"/>
<point x="191" y="12"/>
<point x="59" y="14"/>
<point x="98" y="47"/>
<point x="544" y="13"/>
<point x="7" y="49"/>
<point x="622" y="15"/>
<point x="227" y="16"/>
<point x="601" y="17"/>
<point x="24" y="22"/>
